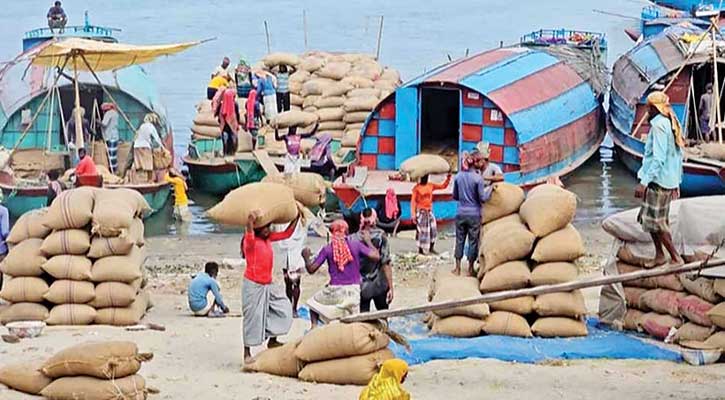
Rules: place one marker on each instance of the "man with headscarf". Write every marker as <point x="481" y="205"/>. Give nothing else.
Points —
<point x="147" y="138"/>
<point x="109" y="125"/>
<point x="386" y="384"/>
<point x="660" y="176"/>
<point x="388" y="212"/>
<point x="705" y="110"/>
<point x="341" y="296"/>
<point x="377" y="276"/>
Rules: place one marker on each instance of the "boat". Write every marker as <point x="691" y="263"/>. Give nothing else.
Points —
<point x="665" y="61"/>
<point x="699" y="8"/>
<point x="38" y="92"/>
<point x="538" y="104"/>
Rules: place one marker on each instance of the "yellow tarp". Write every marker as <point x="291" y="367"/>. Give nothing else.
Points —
<point x="103" y="56"/>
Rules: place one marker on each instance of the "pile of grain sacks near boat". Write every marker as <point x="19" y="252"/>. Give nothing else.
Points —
<point x="94" y="370"/>
<point x="338" y="353"/>
<point x="525" y="241"/>
<point x="79" y="261"/>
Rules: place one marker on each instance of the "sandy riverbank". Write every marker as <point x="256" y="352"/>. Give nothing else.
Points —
<point x="201" y="359"/>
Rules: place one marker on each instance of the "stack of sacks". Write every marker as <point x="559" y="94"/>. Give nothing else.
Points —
<point x="118" y="258"/>
<point x="275" y="201"/>
<point x="25" y="281"/>
<point x="342" y="354"/>
<point x="96" y="370"/>
<point x="548" y="212"/>
<point x="205" y="124"/>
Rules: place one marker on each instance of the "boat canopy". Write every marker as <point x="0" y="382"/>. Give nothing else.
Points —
<point x="102" y="56"/>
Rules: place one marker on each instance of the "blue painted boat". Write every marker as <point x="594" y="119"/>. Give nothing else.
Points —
<point x="27" y="90"/>
<point x="695" y="7"/>
<point x="538" y="104"/>
<point x="654" y="19"/>
<point x="649" y="66"/>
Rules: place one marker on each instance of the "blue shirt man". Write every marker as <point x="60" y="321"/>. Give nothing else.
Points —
<point x="205" y="298"/>
<point x="662" y="162"/>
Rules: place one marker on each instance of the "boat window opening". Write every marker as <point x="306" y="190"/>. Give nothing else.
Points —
<point x="440" y="122"/>
<point x="703" y="75"/>
<point x="89" y="94"/>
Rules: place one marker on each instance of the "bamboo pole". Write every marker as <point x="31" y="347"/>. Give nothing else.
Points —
<point x="304" y="27"/>
<point x="535" y="291"/>
<point x="380" y="38"/>
<point x="266" y="32"/>
<point x="76" y="110"/>
<point x="716" y="104"/>
<point x="50" y="119"/>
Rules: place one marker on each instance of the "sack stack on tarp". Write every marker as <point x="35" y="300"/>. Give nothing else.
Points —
<point x="94" y="370"/>
<point x="342" y="354"/>
<point x="86" y="263"/>
<point x="689" y="308"/>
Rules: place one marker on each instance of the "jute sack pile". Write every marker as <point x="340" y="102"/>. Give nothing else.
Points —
<point x="274" y="200"/>
<point x="205" y="125"/>
<point x="115" y="211"/>
<point x="548" y="208"/>
<point x="466" y="321"/>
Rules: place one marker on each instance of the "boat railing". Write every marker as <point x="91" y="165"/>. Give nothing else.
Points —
<point x="654" y="12"/>
<point x="546" y="37"/>
<point x="75" y="30"/>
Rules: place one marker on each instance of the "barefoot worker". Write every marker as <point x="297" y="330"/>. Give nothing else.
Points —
<point x="377" y="275"/>
<point x="470" y="193"/>
<point x="421" y="212"/>
<point x="660" y="176"/>
<point x="266" y="311"/>
<point x="205" y="297"/>
<point x="341" y="296"/>
<point x="288" y="256"/>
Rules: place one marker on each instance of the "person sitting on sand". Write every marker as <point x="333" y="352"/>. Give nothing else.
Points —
<point x="266" y="311"/>
<point x="205" y="298"/>
<point x="341" y="296"/>
<point x="293" y="142"/>
<point x="421" y="212"/>
<point x="386" y="384"/>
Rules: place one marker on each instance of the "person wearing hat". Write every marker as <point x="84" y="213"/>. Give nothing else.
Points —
<point x="705" y="109"/>
<point x="660" y="176"/>
<point x="490" y="172"/>
<point x="147" y="138"/>
<point x="4" y="232"/>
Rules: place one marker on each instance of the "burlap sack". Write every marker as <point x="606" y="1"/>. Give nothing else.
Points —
<point x="505" y="200"/>
<point x="358" y="82"/>
<point x="633" y="297"/>
<point x="364" y="92"/>
<point x="299" y="76"/>
<point x="67" y="241"/>
<point x="70" y="292"/>
<point x="510" y="275"/>
<point x="162" y="158"/>
<point x="276" y="202"/>
<point x="206" y="131"/>
<point x="25" y="259"/>
<point x="334" y="134"/>
<point x="700" y="286"/>
<point x="547" y="209"/>
<point x="206" y="118"/>
<point x="717" y="315"/>
<point x="338" y="340"/>
<point x="457" y="326"/>
<point x="280" y="361"/>
<point x="125" y="316"/>
<point x="693" y="332"/>
<point x="315" y="86"/>
<point x="279" y="58"/>
<point x="105" y="360"/>
<point x="633" y="320"/>
<point x="519" y="305"/>
<point x="24" y="377"/>
<point x="562" y="304"/>
<point x="513" y="218"/>
<point x="670" y="282"/>
<point x="334" y="70"/>
<point x="507" y="324"/>
<point x="115" y="294"/>
<point x="695" y="309"/>
<point x="336" y="89"/>
<point x="296" y="100"/>
<point x="116" y="209"/>
<point x="83" y="387"/>
<point x="330" y="102"/>
<point x="308" y="188"/>
<point x="77" y="268"/>
<point x="719" y="287"/>
<point x="311" y="101"/>
<point x="625" y="255"/>
<point x="24" y="312"/>
<point x="357" y="370"/>
<point x="356" y="117"/>
<point x="361" y="103"/>
<point x="293" y="118"/>
<point x="511" y="242"/>
<point x="662" y="301"/>
<point x="330" y="114"/>
<point x="390" y="74"/>
<point x="659" y="325"/>
<point x="559" y="327"/>
<point x="351" y="137"/>
<point x="553" y="273"/>
<point x="563" y="245"/>
<point x="312" y="64"/>
<point x="112" y="246"/>
<point x="713" y="150"/>
<point x="72" y="209"/>
<point x="24" y="289"/>
<point x="424" y="164"/>
<point x="29" y="225"/>
<point x="119" y="268"/>
<point x="459" y="288"/>
<point x="331" y="125"/>
<point x="71" y="314"/>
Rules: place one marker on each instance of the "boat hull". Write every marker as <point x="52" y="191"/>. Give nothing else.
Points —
<point x="220" y="179"/>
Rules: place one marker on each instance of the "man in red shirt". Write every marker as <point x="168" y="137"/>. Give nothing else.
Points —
<point x="86" y="167"/>
<point x="266" y="310"/>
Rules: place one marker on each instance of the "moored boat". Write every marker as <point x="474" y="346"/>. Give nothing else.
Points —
<point x="538" y="104"/>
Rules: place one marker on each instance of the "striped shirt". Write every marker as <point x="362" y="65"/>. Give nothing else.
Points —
<point x="283" y="82"/>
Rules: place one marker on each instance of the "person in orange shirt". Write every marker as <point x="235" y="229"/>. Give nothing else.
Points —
<point x="421" y="212"/>
<point x="86" y="166"/>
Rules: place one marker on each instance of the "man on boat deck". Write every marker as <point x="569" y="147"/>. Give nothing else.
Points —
<point x="660" y="176"/>
<point x="70" y="128"/>
<point x="490" y="172"/>
<point x="293" y="143"/>
<point x="147" y="138"/>
<point x="56" y="18"/>
<point x="86" y="166"/>
<point x="705" y="108"/>
<point x="223" y="70"/>
<point x="109" y="124"/>
<point x="421" y="212"/>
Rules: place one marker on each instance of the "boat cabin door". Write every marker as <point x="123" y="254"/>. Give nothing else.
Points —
<point x="90" y="95"/>
<point x="440" y="122"/>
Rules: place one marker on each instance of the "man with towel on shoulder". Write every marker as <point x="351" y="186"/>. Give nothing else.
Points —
<point x="660" y="176"/>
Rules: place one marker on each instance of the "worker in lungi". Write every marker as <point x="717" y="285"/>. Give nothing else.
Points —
<point x="266" y="310"/>
<point x="377" y="275"/>
<point x="293" y="142"/>
<point x="705" y="110"/>
<point x="470" y="193"/>
<point x="109" y="126"/>
<point x="147" y="138"/>
<point x="253" y="114"/>
<point x="205" y="297"/>
<point x="660" y="176"/>
<point x="421" y="211"/>
<point x="341" y="296"/>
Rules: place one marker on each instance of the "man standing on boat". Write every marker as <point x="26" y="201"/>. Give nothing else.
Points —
<point x="705" y="109"/>
<point x="490" y="172"/>
<point x="223" y="70"/>
<point x="57" y="18"/>
<point x="109" y="124"/>
<point x="660" y="176"/>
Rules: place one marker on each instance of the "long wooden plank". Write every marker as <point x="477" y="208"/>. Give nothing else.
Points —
<point x="266" y="162"/>
<point x="534" y="291"/>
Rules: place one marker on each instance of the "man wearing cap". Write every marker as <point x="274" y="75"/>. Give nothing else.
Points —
<point x="660" y="176"/>
<point x="705" y="108"/>
<point x="490" y="172"/>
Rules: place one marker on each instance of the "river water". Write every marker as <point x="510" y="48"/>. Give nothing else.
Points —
<point x="417" y="36"/>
